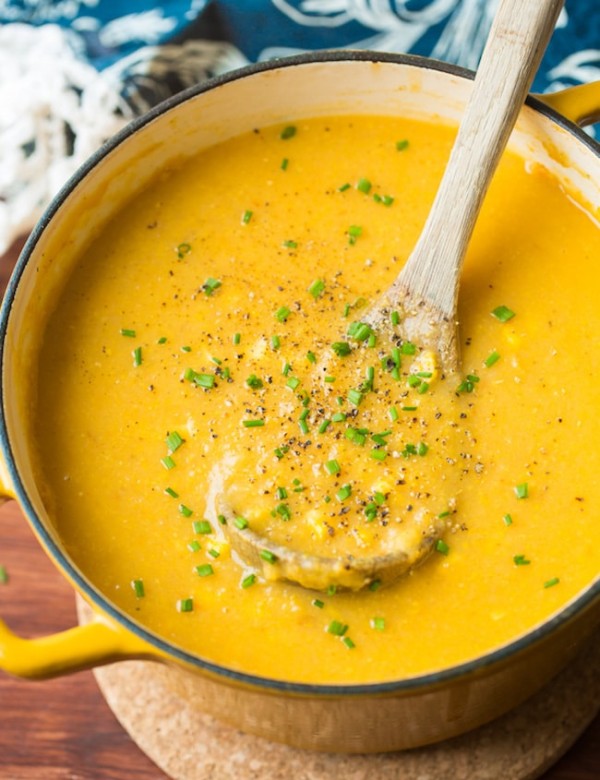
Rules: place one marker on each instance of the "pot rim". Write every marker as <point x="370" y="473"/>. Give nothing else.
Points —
<point x="101" y="602"/>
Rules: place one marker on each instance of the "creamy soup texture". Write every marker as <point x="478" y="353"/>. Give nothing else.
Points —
<point x="211" y="340"/>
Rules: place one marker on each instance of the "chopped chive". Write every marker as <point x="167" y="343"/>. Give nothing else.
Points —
<point x="502" y="313"/>
<point x="333" y="467"/>
<point x="282" y="313"/>
<point x="292" y="383"/>
<point x="423" y="388"/>
<point x="338" y="417"/>
<point x="442" y="547"/>
<point x="401" y="145"/>
<point x="331" y="590"/>
<point x="375" y="585"/>
<point x="237" y="337"/>
<point x="305" y="412"/>
<point x="359" y="331"/>
<point x="422" y="448"/>
<point x="507" y="519"/>
<point x="318" y="603"/>
<point x="303" y="425"/>
<point x="317" y="288"/>
<point x="341" y="348"/>
<point x="387" y="200"/>
<point x="222" y="519"/>
<point x="344" y="187"/>
<point x="281" y="493"/>
<point x="521" y="560"/>
<point x="378" y="623"/>
<point x="284" y="511"/>
<point x="210" y="285"/>
<point x="254" y="382"/>
<point x="174" y="441"/>
<point x="246" y="217"/>
<point x="170" y="492"/>
<point x="337" y="628"/>
<point x="185" y="510"/>
<point x="324" y="425"/>
<point x="127" y="332"/>
<point x="408" y="348"/>
<point x="551" y="583"/>
<point x="492" y="358"/>
<point x="138" y="588"/>
<point x="162" y="340"/>
<point x="289" y="244"/>
<point x="344" y="492"/>
<point x="204" y="380"/>
<point x="395" y="318"/>
<point x="311" y="357"/>
<point x="268" y="556"/>
<point x="185" y="605"/>
<point x="241" y="523"/>
<point x="183" y="250"/>
<point x="137" y="356"/>
<point x="355" y="435"/>
<point x="288" y="132"/>
<point x="329" y="379"/>
<point x="363" y="185"/>
<point x="253" y="423"/>
<point x="413" y="381"/>
<point x="371" y="512"/>
<point x="186" y="349"/>
<point x="213" y="553"/>
<point x="378" y="454"/>
<point x="204" y="570"/>
<point x="168" y="462"/>
<point x="286" y="369"/>
<point x="284" y="164"/>
<point x="393" y="413"/>
<point x="409" y="408"/>
<point x="355" y="397"/>
<point x="248" y="581"/>
<point x="354" y="232"/>
<point x="193" y="546"/>
<point x="280" y="451"/>
<point x="348" y="642"/>
<point x="202" y="527"/>
<point x="522" y="490"/>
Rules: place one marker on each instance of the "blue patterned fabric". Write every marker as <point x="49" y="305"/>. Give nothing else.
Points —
<point x="230" y="33"/>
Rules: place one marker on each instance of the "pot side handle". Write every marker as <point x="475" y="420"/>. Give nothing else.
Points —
<point x="580" y="104"/>
<point x="96" y="643"/>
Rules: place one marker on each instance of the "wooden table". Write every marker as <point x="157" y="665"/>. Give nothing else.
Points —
<point x="62" y="729"/>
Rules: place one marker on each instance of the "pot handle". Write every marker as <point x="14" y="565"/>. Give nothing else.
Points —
<point x="580" y="104"/>
<point x="98" y="642"/>
<point x="94" y="644"/>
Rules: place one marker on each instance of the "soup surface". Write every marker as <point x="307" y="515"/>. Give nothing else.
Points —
<point x="196" y="350"/>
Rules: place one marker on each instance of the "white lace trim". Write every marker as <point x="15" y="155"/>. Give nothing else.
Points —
<point x="56" y="110"/>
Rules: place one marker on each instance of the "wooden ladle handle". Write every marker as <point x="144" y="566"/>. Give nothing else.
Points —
<point x="519" y="35"/>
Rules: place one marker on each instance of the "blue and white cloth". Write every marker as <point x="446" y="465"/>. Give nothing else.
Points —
<point x="72" y="72"/>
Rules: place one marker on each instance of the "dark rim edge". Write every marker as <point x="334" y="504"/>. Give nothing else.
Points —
<point x="432" y="679"/>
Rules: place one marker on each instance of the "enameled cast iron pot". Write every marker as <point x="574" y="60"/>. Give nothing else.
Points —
<point x="353" y="718"/>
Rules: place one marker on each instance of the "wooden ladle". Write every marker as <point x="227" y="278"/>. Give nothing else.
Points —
<point x="426" y="290"/>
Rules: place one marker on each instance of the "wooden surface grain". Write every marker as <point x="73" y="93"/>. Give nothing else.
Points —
<point x="63" y="729"/>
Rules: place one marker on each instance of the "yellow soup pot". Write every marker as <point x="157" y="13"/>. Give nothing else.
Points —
<point x="393" y="715"/>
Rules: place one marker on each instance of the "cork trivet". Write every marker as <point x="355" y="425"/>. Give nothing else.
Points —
<point x="188" y="745"/>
